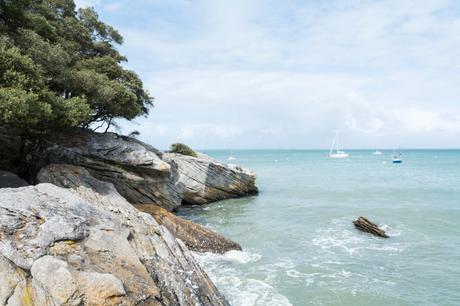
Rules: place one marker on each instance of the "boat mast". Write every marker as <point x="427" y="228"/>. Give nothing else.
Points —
<point x="332" y="146"/>
<point x="337" y="142"/>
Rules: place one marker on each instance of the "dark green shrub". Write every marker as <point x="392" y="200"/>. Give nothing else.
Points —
<point x="183" y="149"/>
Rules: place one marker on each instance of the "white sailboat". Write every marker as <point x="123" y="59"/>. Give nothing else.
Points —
<point x="338" y="153"/>
<point x="377" y="152"/>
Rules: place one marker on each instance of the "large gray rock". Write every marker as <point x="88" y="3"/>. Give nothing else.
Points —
<point x="196" y="237"/>
<point x="201" y="179"/>
<point x="144" y="175"/>
<point x="135" y="168"/>
<point x="89" y="246"/>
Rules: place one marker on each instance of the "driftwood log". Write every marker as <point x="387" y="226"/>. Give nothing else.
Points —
<point x="367" y="226"/>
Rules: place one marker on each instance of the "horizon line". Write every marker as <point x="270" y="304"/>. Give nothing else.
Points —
<point x="316" y="149"/>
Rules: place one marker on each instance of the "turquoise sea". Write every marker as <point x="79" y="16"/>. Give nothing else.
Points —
<point x="300" y="246"/>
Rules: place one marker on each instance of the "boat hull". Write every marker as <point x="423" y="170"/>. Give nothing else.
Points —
<point x="340" y="155"/>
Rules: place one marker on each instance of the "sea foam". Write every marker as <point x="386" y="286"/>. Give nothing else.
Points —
<point x="237" y="288"/>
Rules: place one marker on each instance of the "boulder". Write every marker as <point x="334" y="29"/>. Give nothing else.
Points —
<point x="11" y="180"/>
<point x="196" y="237"/>
<point x="201" y="180"/>
<point x="89" y="246"/>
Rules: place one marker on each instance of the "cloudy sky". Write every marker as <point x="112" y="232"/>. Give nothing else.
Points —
<point x="287" y="74"/>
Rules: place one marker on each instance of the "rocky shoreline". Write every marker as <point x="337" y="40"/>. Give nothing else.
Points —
<point x="98" y="225"/>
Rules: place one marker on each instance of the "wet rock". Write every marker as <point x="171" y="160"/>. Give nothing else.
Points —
<point x="202" y="179"/>
<point x="196" y="237"/>
<point x="367" y="226"/>
<point x="90" y="246"/>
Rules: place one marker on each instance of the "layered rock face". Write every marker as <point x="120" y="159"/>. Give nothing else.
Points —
<point x="135" y="168"/>
<point x="196" y="237"/>
<point x="144" y="175"/>
<point x="87" y="243"/>
<point x="202" y="179"/>
<point x="90" y="246"/>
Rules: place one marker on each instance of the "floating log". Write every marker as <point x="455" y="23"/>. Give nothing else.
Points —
<point x="367" y="226"/>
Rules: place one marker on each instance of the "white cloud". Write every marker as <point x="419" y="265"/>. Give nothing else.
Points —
<point x="277" y="72"/>
<point x="191" y="131"/>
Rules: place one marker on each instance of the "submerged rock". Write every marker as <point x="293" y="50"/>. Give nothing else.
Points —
<point x="200" y="180"/>
<point x="89" y="246"/>
<point x="367" y="226"/>
<point x="196" y="237"/>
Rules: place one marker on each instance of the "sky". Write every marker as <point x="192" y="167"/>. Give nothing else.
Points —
<point x="253" y="74"/>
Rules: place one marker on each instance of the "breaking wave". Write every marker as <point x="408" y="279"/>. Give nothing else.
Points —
<point x="238" y="288"/>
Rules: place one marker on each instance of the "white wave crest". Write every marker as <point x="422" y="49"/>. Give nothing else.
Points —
<point x="336" y="238"/>
<point x="237" y="288"/>
<point x="235" y="257"/>
<point x="391" y="231"/>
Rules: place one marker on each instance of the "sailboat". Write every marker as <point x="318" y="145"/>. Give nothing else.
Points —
<point x="397" y="159"/>
<point x="338" y="153"/>
<point x="377" y="152"/>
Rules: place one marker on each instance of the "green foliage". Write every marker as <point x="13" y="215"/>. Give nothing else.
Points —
<point x="61" y="68"/>
<point x="183" y="149"/>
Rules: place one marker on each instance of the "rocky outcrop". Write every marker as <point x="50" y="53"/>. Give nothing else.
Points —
<point x="11" y="180"/>
<point x="85" y="244"/>
<point x="134" y="168"/>
<point x="196" y="237"/>
<point x="144" y="175"/>
<point x="201" y="179"/>
<point x="140" y="173"/>
<point x="89" y="246"/>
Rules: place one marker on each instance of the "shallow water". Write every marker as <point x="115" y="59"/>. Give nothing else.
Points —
<point x="300" y="244"/>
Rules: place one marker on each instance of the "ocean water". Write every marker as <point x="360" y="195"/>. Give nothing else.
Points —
<point x="301" y="248"/>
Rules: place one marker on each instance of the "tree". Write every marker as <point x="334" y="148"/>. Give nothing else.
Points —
<point x="60" y="68"/>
